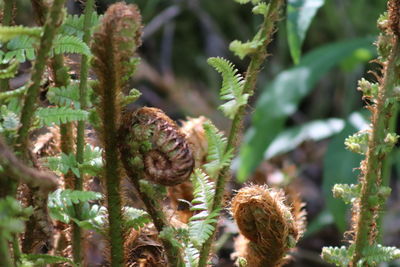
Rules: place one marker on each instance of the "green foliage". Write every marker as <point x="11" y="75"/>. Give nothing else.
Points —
<point x="282" y="96"/>
<point x="34" y="260"/>
<point x="12" y="217"/>
<point x="61" y="204"/>
<point x="348" y="193"/>
<point x="338" y="256"/>
<point x="377" y="253"/>
<point x="300" y="14"/>
<point x="65" y="96"/>
<point x="133" y="95"/>
<point x="58" y="115"/>
<point x="9" y="32"/>
<point x="10" y="71"/>
<point x="358" y="142"/>
<point x="135" y="218"/>
<point x="217" y="157"/>
<point x="9" y="122"/>
<point x="21" y="48"/>
<point x="70" y="44"/>
<point x="232" y="86"/>
<point x="243" y="49"/>
<point x="74" y="24"/>
<point x="200" y="224"/>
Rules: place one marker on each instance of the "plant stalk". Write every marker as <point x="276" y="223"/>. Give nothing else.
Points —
<point x="7" y="21"/>
<point x="267" y="29"/>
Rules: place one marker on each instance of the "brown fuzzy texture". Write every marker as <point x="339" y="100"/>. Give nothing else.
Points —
<point x="267" y="223"/>
<point x="163" y="155"/>
<point x="394" y="16"/>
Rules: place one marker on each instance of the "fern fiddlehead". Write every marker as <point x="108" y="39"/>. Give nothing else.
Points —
<point x="154" y="145"/>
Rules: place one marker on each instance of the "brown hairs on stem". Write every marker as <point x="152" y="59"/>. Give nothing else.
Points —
<point x="267" y="223"/>
<point x="394" y="16"/>
<point x="152" y="145"/>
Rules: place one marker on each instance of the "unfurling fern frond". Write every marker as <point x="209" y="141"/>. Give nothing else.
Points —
<point x="347" y="192"/>
<point x="217" y="157"/>
<point x="59" y="115"/>
<point x="70" y="44"/>
<point x="377" y="253"/>
<point x="243" y="49"/>
<point x="10" y="71"/>
<point x="135" y="218"/>
<point x="73" y="24"/>
<point x="338" y="256"/>
<point x="9" y="32"/>
<point x="21" y="48"/>
<point x="232" y="86"/>
<point x="201" y="224"/>
<point x="65" y="96"/>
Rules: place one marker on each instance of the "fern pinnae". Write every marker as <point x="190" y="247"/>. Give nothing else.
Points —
<point x="59" y="115"/>
<point x="232" y="86"/>
<point x="70" y="44"/>
<point x="9" y="32"/>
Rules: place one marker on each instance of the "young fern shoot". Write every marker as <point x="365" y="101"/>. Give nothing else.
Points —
<point x="369" y="196"/>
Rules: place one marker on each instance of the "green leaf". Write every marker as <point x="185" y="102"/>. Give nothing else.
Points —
<point x="281" y="98"/>
<point x="65" y="96"/>
<point x="232" y="86"/>
<point x="44" y="259"/>
<point x="73" y="24"/>
<point x="294" y="136"/>
<point x="21" y="48"/>
<point x="70" y="44"/>
<point x="9" y="32"/>
<point x="135" y="218"/>
<point x="338" y="256"/>
<point x="217" y="157"/>
<point x="376" y="254"/>
<point x="60" y="115"/>
<point x="299" y="15"/>
<point x="340" y="167"/>
<point x="10" y="71"/>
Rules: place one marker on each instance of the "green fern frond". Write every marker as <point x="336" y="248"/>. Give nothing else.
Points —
<point x="12" y="217"/>
<point x="70" y="44"/>
<point x="60" y="115"/>
<point x="243" y="49"/>
<point x="10" y="71"/>
<point x="232" y="86"/>
<point x="13" y="93"/>
<point x="9" y="32"/>
<point x="43" y="260"/>
<point x="73" y="24"/>
<point x="135" y="218"/>
<point x="21" y="48"/>
<point x="191" y="256"/>
<point x="377" y="254"/>
<point x="203" y="191"/>
<point x="65" y="96"/>
<point x="248" y="1"/>
<point x="133" y="95"/>
<point x="339" y="256"/>
<point x="201" y="227"/>
<point x="348" y="193"/>
<point x="217" y="157"/>
<point x="261" y="9"/>
<point x="92" y="161"/>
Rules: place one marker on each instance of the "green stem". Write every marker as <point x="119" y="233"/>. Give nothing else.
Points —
<point x="253" y="69"/>
<point x="50" y="29"/>
<point x="16" y="249"/>
<point x="366" y="231"/>
<point x="5" y="253"/>
<point x="7" y="21"/>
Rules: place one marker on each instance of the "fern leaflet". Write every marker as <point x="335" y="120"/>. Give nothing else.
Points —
<point x="243" y="49"/>
<point x="73" y="24"/>
<point x="377" y="253"/>
<point x="21" y="48"/>
<point x="60" y="115"/>
<point x="10" y="71"/>
<point x="135" y="218"/>
<point x="43" y="260"/>
<point x="9" y="32"/>
<point x="65" y="96"/>
<point x="70" y="44"/>
<point x="338" y="256"/>
<point x="217" y="157"/>
<point x="232" y="86"/>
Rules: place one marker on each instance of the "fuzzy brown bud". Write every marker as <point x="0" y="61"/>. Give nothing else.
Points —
<point x="153" y="146"/>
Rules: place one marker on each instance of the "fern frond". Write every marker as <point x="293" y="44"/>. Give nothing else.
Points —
<point x="338" y="256"/>
<point x="201" y="227"/>
<point x="70" y="44"/>
<point x="43" y="260"/>
<point x="9" y="32"/>
<point x="13" y="93"/>
<point x="232" y="86"/>
<point x="217" y="157"/>
<point x="377" y="253"/>
<point x="243" y="49"/>
<point x="92" y="160"/>
<point x="191" y="256"/>
<point x="348" y="193"/>
<point x="60" y="115"/>
<point x="203" y="191"/>
<point x="65" y="96"/>
<point x="73" y="24"/>
<point x="21" y="48"/>
<point x="10" y="71"/>
<point x="261" y="9"/>
<point x="135" y="218"/>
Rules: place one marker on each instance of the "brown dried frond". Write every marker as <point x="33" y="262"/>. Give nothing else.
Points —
<point x="268" y="224"/>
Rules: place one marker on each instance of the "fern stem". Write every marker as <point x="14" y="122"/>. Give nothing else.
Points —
<point x="5" y="253"/>
<point x="160" y="222"/>
<point x="50" y="29"/>
<point x="267" y="29"/>
<point x="372" y="167"/>
<point x="7" y="21"/>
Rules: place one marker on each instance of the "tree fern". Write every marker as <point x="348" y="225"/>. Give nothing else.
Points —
<point x="232" y="86"/>
<point x="73" y="24"/>
<point x="135" y="218"/>
<point x="58" y="115"/>
<point x="200" y="224"/>
<point x="70" y="44"/>
<point x="65" y="96"/>
<point x="217" y="157"/>
<point x="9" y="32"/>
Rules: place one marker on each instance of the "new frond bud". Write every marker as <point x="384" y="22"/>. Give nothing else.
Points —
<point x="346" y="192"/>
<point x="384" y="46"/>
<point x="383" y="21"/>
<point x="369" y="90"/>
<point x="153" y="146"/>
<point x="388" y="143"/>
<point x="265" y="220"/>
<point x="261" y="9"/>
<point x="358" y="142"/>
